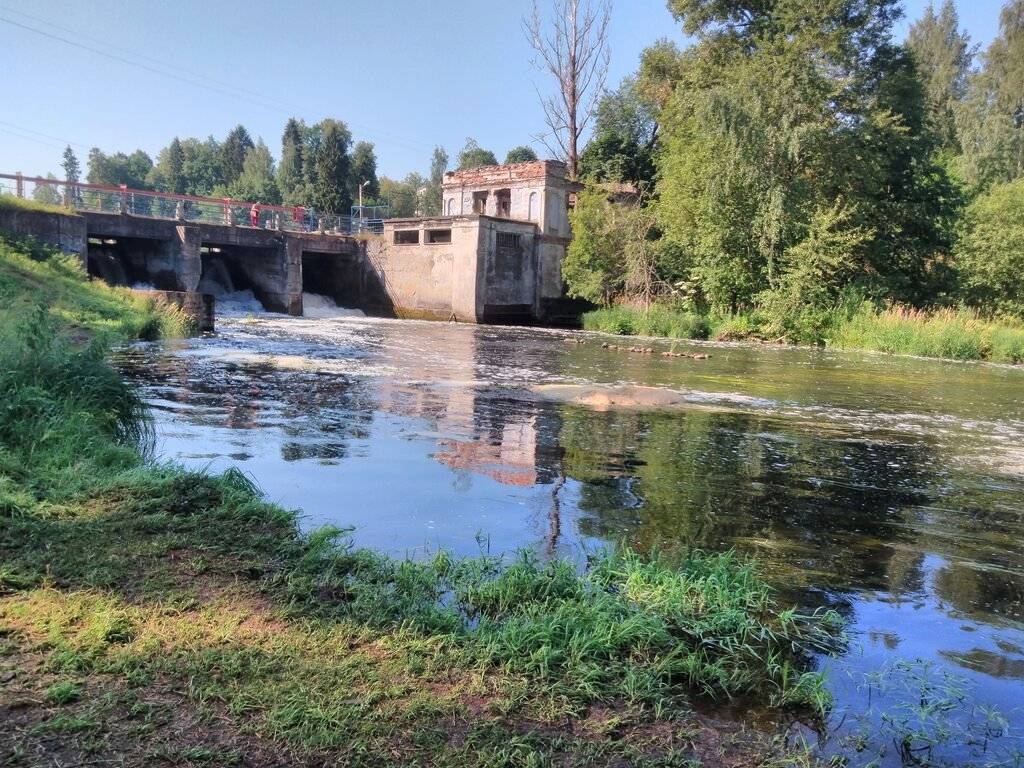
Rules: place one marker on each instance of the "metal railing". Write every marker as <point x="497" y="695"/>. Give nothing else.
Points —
<point x="121" y="200"/>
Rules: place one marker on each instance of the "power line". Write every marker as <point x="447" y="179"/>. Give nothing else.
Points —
<point x="45" y="135"/>
<point x="217" y="87"/>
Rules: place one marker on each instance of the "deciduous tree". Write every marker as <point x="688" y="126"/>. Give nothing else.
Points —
<point x="571" y="47"/>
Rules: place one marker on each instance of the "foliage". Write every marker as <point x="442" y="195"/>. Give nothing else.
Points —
<point x="131" y="170"/>
<point x="232" y="153"/>
<point x="199" y="171"/>
<point x="812" y="275"/>
<point x="47" y="194"/>
<point x="990" y="254"/>
<point x="290" y="172"/>
<point x="69" y="163"/>
<point x="952" y="334"/>
<point x="521" y="154"/>
<point x="432" y="202"/>
<point x="257" y="181"/>
<point x="993" y="149"/>
<point x="622" y="146"/>
<point x="611" y="254"/>
<point x="474" y="156"/>
<point x="943" y="55"/>
<point x="364" y="169"/>
<point x="330" y="167"/>
<point x="403" y="198"/>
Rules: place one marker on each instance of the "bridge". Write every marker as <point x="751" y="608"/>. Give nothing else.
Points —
<point x="172" y="242"/>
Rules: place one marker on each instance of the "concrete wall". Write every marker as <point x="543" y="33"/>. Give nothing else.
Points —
<point x="66" y="232"/>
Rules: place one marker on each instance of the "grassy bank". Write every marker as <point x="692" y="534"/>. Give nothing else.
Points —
<point x="33" y="275"/>
<point x="951" y="334"/>
<point x="13" y="203"/>
<point x="150" y="615"/>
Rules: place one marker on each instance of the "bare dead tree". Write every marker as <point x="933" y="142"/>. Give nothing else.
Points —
<point x="573" y="49"/>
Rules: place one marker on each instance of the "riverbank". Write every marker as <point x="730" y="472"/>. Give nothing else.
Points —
<point x="149" y="614"/>
<point x="947" y="334"/>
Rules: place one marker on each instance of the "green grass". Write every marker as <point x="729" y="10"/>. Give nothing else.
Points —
<point x="158" y="591"/>
<point x="11" y="202"/>
<point x="951" y="334"/>
<point x="33" y="275"/>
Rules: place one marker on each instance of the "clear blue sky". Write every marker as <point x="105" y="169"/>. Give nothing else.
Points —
<point x="405" y="74"/>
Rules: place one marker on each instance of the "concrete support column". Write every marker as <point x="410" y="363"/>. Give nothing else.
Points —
<point x="293" y="275"/>
<point x="184" y="255"/>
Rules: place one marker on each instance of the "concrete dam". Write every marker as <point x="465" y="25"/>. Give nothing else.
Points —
<point x="494" y="257"/>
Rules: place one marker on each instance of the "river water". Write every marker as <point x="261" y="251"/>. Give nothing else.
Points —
<point x="891" y="489"/>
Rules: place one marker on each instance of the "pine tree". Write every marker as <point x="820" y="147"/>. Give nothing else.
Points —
<point x="72" y="173"/>
<point x="233" y="152"/>
<point x="364" y="169"/>
<point x="331" y="169"/>
<point x="175" y="167"/>
<point x="72" y="170"/>
<point x="943" y="56"/>
<point x="290" y="172"/>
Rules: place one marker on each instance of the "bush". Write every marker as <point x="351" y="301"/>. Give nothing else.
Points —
<point x="990" y="254"/>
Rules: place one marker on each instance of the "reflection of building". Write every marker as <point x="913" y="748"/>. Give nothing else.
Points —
<point x="494" y="254"/>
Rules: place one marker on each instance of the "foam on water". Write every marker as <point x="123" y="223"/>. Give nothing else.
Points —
<point x="238" y="303"/>
<point x="321" y="307"/>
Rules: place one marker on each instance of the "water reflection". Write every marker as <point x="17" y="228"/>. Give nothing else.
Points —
<point x="888" y="490"/>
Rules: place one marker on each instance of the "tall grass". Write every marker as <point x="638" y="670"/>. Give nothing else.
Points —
<point x="66" y="417"/>
<point x="32" y="274"/>
<point x="656" y="320"/>
<point x="11" y="202"/>
<point x="625" y="628"/>
<point x="956" y="334"/>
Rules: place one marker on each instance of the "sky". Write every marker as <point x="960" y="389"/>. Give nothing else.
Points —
<point x="404" y="74"/>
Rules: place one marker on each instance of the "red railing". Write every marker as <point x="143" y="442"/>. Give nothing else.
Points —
<point x="105" y="198"/>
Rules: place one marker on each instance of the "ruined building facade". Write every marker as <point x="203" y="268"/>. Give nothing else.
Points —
<point x="495" y="253"/>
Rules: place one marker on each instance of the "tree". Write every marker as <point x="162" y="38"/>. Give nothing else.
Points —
<point x="364" y="169"/>
<point x="432" y="198"/>
<point x="329" y="190"/>
<point x="402" y="197"/>
<point x="990" y="252"/>
<point x="993" y="148"/>
<point x="46" y="193"/>
<point x="574" y="51"/>
<point x="175" y="180"/>
<point x="612" y="255"/>
<point x="233" y="151"/>
<point x="198" y="173"/>
<point x="521" y="154"/>
<point x="257" y="181"/>
<point x="72" y="170"/>
<point x="943" y="56"/>
<point x="625" y="134"/>
<point x="776" y="112"/>
<point x="131" y="170"/>
<point x="474" y="156"/>
<point x="290" y="171"/>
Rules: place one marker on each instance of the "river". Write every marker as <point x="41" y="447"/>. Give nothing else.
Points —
<point x="891" y="489"/>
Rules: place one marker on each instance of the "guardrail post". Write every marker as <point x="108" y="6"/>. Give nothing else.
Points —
<point x="124" y="199"/>
<point x="19" y="184"/>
